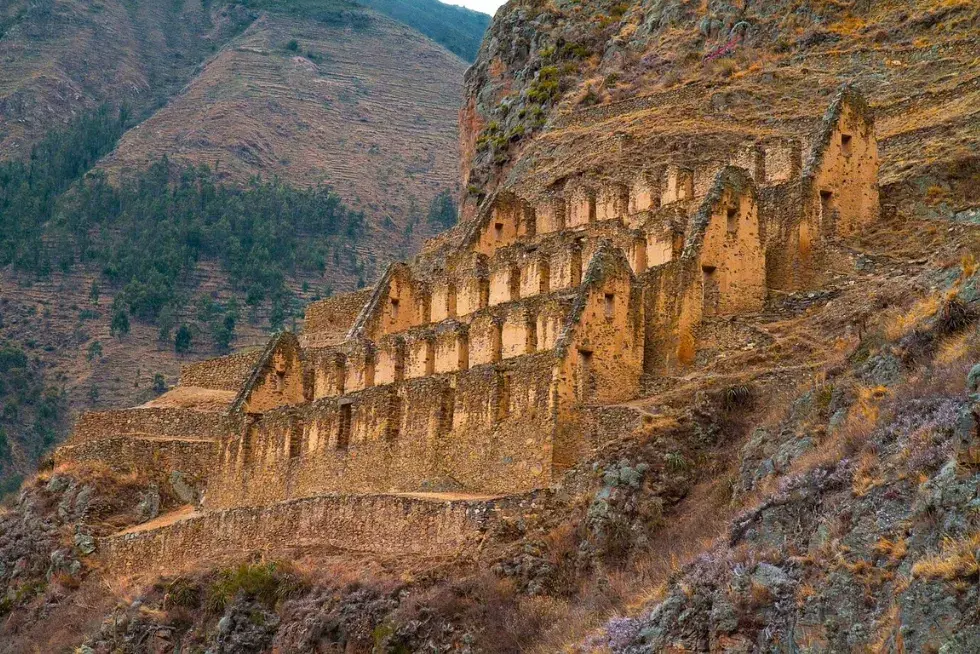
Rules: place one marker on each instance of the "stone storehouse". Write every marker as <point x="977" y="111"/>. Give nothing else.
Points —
<point x="471" y="371"/>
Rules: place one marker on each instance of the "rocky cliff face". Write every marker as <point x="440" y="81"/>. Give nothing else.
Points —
<point x="578" y="82"/>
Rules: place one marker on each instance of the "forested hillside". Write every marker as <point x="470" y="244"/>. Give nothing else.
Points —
<point x="458" y="29"/>
<point x="179" y="179"/>
<point x="32" y="415"/>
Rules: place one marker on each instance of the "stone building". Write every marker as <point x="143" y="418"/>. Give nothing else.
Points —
<point x="473" y="370"/>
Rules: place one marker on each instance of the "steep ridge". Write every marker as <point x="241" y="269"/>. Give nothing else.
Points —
<point x="607" y="79"/>
<point x="367" y="109"/>
<point x="64" y="57"/>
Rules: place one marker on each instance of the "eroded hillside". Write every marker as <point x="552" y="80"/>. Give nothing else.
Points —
<point x="64" y="57"/>
<point x="365" y="106"/>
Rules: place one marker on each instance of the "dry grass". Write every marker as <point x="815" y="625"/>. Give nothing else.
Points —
<point x="958" y="560"/>
<point x="892" y="550"/>
<point x="900" y="322"/>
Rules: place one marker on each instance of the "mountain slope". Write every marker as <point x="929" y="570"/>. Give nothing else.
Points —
<point x="567" y="85"/>
<point x="459" y="29"/>
<point x="367" y="108"/>
<point x="63" y="57"/>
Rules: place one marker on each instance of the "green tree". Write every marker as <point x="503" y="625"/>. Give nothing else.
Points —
<point x="182" y="340"/>
<point x="94" y="351"/>
<point x="224" y="332"/>
<point x="93" y="293"/>
<point x="159" y="383"/>
<point x="166" y="321"/>
<point x="120" y="323"/>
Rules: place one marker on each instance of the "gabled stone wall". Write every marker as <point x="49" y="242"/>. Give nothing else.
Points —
<point x="227" y="373"/>
<point x="327" y="321"/>
<point x="486" y="367"/>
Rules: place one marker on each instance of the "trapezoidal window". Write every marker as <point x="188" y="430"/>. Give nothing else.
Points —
<point x="394" y="308"/>
<point x="845" y="144"/>
<point x="585" y="381"/>
<point x="731" y="215"/>
<point x="609" y="305"/>
<point x="826" y="204"/>
<point x="711" y="291"/>
<point x="343" y="430"/>
<point x="498" y="231"/>
<point x="394" y="429"/>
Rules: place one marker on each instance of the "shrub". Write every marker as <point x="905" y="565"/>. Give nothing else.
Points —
<point x="293" y="46"/>
<point x="738" y="397"/>
<point x="954" y="316"/>
<point x="265" y="583"/>
<point x="94" y="351"/>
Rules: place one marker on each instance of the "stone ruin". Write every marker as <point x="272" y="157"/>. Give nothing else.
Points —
<point x="406" y="417"/>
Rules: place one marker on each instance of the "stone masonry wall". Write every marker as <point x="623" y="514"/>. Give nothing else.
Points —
<point x="222" y="374"/>
<point x="487" y="429"/>
<point x="153" y="423"/>
<point x="153" y="457"/>
<point x="386" y="524"/>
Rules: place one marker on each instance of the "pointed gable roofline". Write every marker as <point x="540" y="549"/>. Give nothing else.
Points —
<point x="261" y="365"/>
<point x="607" y="259"/>
<point x="730" y="178"/>
<point x="847" y="96"/>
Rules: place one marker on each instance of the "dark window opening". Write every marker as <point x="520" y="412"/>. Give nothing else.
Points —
<point x="585" y="375"/>
<point x="732" y="216"/>
<point x="610" y="305"/>
<point x="394" y="307"/>
<point x="280" y="380"/>
<point x="295" y="441"/>
<point x="503" y="398"/>
<point x="497" y="342"/>
<point x="514" y="284"/>
<point x="826" y="203"/>
<point x="711" y="291"/>
<point x="498" y="230"/>
<point x="845" y="144"/>
<point x="394" y="419"/>
<point x="343" y="433"/>
<point x="249" y="446"/>
<point x="447" y="408"/>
